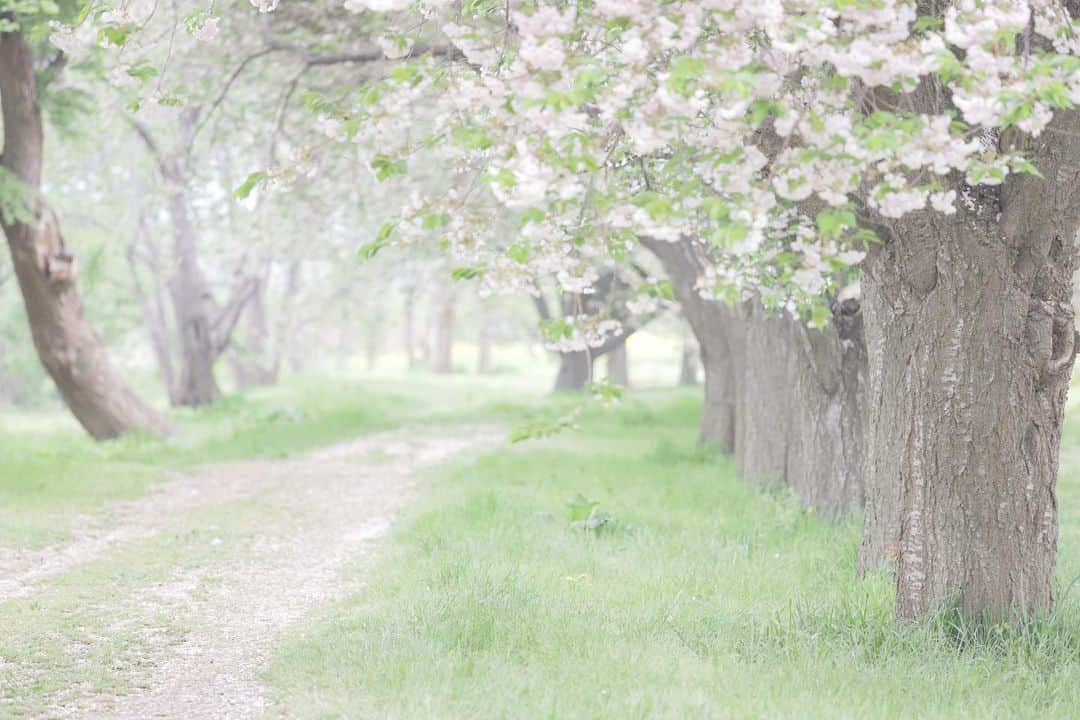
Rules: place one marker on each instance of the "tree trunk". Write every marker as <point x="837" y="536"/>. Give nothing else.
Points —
<point x="371" y="340"/>
<point x="203" y="332"/>
<point x="483" y="342"/>
<point x="252" y="363"/>
<point x="714" y="325"/>
<point x="826" y="453"/>
<point x="575" y="371"/>
<point x="769" y="405"/>
<point x="442" y="360"/>
<point x="152" y="305"/>
<point x="618" y="367"/>
<point x="691" y="360"/>
<point x="971" y="339"/>
<point x="190" y="299"/>
<point x="71" y="352"/>
<point x="787" y="400"/>
<point x="803" y="409"/>
<point x="408" y="328"/>
<point x="283" y="328"/>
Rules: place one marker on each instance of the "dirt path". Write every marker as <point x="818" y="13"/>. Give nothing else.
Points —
<point x="322" y="512"/>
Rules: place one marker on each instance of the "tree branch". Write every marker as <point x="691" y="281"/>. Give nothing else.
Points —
<point x="224" y="324"/>
<point x="217" y="101"/>
<point x="365" y="56"/>
<point x="151" y="144"/>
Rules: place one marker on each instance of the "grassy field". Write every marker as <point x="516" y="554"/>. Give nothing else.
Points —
<point x="615" y="571"/>
<point x="700" y="597"/>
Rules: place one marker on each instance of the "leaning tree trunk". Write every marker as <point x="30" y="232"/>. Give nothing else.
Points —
<point x="71" y="352"/>
<point x="971" y="340"/>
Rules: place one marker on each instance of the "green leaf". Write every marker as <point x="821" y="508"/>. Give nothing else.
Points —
<point x="434" y="221"/>
<point x="519" y="252"/>
<point x="819" y="316"/>
<point x="472" y="138"/>
<point x="382" y="239"/>
<point x="465" y="273"/>
<point x="683" y="71"/>
<point x="386" y="167"/>
<point x="728" y="234"/>
<point x="249" y="184"/>
<point x="1020" y="165"/>
<point x="116" y="34"/>
<point x="407" y="73"/>
<point x="687" y="68"/>
<point x="656" y="205"/>
<point x="831" y="224"/>
<point x="143" y="71"/>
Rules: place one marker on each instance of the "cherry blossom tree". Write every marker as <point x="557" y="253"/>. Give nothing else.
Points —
<point x="931" y="145"/>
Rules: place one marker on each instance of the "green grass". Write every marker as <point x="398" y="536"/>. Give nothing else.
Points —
<point x="707" y="598"/>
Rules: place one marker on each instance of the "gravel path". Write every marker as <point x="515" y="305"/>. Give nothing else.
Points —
<point x="325" y="511"/>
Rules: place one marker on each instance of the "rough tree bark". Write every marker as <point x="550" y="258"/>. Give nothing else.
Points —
<point x="787" y="400"/>
<point x="71" y="352"/>
<point x="827" y="445"/>
<point x="802" y="412"/>
<point x="971" y="338"/>
<point x="768" y="403"/>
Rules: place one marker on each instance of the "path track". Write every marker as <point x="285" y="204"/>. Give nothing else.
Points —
<point x="326" y="508"/>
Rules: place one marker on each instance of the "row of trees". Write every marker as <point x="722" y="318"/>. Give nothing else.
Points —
<point x="867" y="211"/>
<point x="765" y="152"/>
